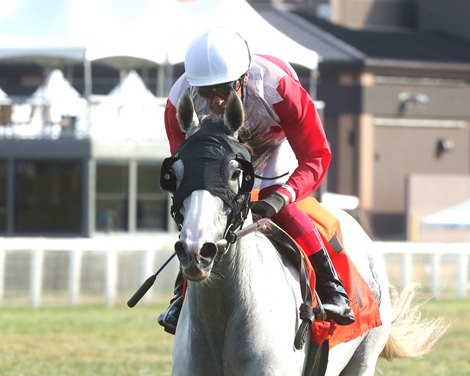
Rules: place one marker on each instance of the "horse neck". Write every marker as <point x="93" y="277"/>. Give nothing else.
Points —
<point x="229" y="317"/>
<point x="229" y="289"/>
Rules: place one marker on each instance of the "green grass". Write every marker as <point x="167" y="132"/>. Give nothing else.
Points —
<point x="83" y="341"/>
<point x="450" y="356"/>
<point x="94" y="340"/>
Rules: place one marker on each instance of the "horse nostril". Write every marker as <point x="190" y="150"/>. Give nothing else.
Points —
<point x="181" y="252"/>
<point x="208" y="252"/>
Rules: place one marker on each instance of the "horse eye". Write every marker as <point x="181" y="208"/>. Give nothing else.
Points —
<point x="236" y="175"/>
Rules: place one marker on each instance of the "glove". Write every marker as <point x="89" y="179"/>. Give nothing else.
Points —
<point x="269" y="206"/>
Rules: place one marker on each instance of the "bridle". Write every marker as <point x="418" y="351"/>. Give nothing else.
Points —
<point x="205" y="156"/>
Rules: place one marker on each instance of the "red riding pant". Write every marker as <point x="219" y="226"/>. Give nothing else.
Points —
<point x="297" y="224"/>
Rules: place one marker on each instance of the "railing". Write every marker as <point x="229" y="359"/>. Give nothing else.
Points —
<point x="436" y="266"/>
<point x="98" y="270"/>
<point x="108" y="269"/>
<point x="27" y="121"/>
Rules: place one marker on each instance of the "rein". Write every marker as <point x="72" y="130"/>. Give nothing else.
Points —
<point x="271" y="178"/>
<point x="285" y="244"/>
<point x="223" y="243"/>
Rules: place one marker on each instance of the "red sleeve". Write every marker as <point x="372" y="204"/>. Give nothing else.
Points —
<point x="304" y="131"/>
<point x="173" y="130"/>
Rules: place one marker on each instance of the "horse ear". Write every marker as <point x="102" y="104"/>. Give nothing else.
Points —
<point x="185" y="112"/>
<point x="234" y="113"/>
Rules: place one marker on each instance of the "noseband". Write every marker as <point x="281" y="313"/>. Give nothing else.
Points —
<point x="206" y="155"/>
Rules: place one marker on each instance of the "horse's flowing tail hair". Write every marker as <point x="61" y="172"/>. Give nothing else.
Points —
<point x="411" y="336"/>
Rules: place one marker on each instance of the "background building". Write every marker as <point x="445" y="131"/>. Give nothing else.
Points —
<point x="95" y="168"/>
<point x="393" y="76"/>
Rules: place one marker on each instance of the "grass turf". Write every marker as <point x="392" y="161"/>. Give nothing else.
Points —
<point x="95" y="340"/>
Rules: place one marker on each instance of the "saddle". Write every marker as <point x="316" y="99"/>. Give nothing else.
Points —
<point x="362" y="300"/>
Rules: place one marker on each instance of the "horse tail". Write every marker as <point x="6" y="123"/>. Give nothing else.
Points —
<point x="411" y="336"/>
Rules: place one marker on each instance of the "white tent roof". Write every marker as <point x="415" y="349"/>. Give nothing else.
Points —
<point x="54" y="89"/>
<point x="261" y="36"/>
<point x="129" y="111"/>
<point x="131" y="90"/>
<point x="4" y="99"/>
<point x="156" y="31"/>
<point x="455" y="216"/>
<point x="160" y="32"/>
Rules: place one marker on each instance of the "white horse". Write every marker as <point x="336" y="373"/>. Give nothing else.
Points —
<point x="240" y="313"/>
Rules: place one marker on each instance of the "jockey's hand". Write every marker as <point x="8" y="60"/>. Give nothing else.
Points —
<point x="269" y="206"/>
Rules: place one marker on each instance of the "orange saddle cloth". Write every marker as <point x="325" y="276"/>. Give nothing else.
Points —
<point x="362" y="301"/>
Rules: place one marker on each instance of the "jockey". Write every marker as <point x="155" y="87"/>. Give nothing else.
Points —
<point x="275" y="103"/>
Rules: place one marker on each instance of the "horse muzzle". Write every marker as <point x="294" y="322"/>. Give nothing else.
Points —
<point x="196" y="262"/>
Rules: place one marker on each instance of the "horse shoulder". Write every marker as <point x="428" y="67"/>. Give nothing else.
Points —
<point x="266" y="325"/>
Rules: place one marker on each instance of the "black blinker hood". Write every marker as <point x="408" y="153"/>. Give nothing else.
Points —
<point x="205" y="155"/>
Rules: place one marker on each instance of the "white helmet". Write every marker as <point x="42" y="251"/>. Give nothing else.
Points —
<point x="216" y="56"/>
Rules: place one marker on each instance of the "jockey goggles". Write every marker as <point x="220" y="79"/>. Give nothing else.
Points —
<point x="220" y="90"/>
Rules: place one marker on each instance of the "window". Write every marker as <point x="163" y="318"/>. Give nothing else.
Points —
<point x="129" y="198"/>
<point x="112" y="197"/>
<point x="48" y="196"/>
<point x="152" y="202"/>
<point x="3" y="196"/>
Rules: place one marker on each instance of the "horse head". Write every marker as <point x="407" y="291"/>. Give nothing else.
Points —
<point x="210" y="177"/>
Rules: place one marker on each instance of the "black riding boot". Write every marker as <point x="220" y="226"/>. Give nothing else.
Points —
<point x="331" y="290"/>
<point x="169" y="318"/>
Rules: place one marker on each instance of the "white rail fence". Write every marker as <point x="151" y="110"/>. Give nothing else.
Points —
<point x="441" y="268"/>
<point x="81" y="270"/>
<point x="108" y="270"/>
